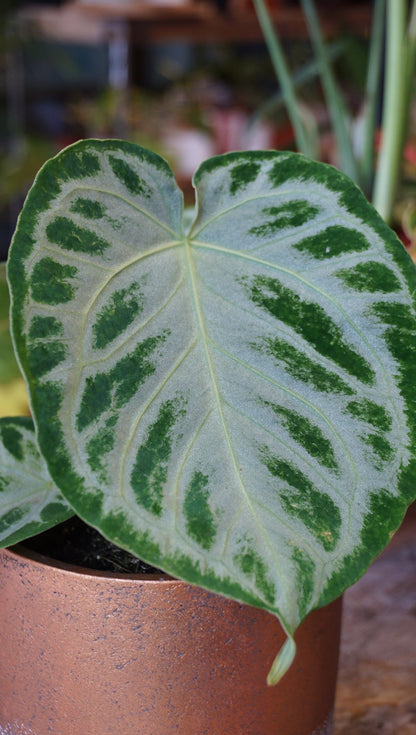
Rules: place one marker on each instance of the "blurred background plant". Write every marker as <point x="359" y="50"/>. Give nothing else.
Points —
<point x="367" y="145"/>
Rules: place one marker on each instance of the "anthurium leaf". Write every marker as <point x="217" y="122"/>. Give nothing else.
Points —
<point x="235" y="404"/>
<point x="29" y="500"/>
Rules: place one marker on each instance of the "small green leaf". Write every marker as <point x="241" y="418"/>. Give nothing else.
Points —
<point x="29" y="500"/>
<point x="8" y="366"/>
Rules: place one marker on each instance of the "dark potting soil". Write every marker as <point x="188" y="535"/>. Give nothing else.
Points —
<point x="74" y="542"/>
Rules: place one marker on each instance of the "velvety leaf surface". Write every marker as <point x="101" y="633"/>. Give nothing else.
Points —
<point x="235" y="404"/>
<point x="29" y="501"/>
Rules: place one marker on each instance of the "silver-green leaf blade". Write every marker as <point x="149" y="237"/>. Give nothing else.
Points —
<point x="30" y="502"/>
<point x="232" y="404"/>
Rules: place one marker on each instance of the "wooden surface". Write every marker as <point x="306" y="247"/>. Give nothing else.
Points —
<point x="377" y="681"/>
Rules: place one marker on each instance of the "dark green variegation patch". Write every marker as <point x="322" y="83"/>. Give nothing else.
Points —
<point x="44" y="356"/>
<point x="80" y="165"/>
<point x="133" y="369"/>
<point x="4" y="483"/>
<point x="388" y="510"/>
<point x="311" y="322"/>
<point x="54" y="512"/>
<point x="306" y="569"/>
<point x="12" y="438"/>
<point x="307" y="434"/>
<point x="64" y="232"/>
<point x="149" y="474"/>
<point x="291" y="214"/>
<point x="96" y="399"/>
<point x="52" y="283"/>
<point x="223" y="166"/>
<point x="302" y="500"/>
<point x="381" y="448"/>
<point x="112" y="390"/>
<point x="297" y="171"/>
<point x="128" y="176"/>
<point x="243" y="174"/>
<point x="252" y="566"/>
<point x="371" y="412"/>
<point x="371" y="277"/>
<point x="201" y="523"/>
<point x="114" y="318"/>
<point x="334" y="241"/>
<point x="47" y="400"/>
<point x="12" y="517"/>
<point x="42" y="327"/>
<point x="88" y="208"/>
<point x="97" y="448"/>
<point x="395" y="314"/>
<point x="300" y="366"/>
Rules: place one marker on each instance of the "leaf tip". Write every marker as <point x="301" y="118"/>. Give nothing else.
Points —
<point x="282" y="662"/>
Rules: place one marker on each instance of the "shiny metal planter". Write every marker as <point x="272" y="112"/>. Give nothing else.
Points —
<point x="86" y="653"/>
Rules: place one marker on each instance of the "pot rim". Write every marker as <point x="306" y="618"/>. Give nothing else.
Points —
<point x="19" y="551"/>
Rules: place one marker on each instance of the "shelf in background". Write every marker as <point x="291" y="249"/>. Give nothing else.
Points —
<point x="195" y="21"/>
<point x="200" y="21"/>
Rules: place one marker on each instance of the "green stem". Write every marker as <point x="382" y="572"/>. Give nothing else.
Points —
<point x="305" y="75"/>
<point x="394" y="110"/>
<point x="336" y="106"/>
<point x="372" y="96"/>
<point x="283" y="74"/>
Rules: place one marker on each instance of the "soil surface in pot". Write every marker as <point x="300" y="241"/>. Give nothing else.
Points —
<point x="74" y="542"/>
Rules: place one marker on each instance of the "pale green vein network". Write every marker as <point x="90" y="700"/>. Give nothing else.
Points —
<point x="134" y="332"/>
<point x="151" y="400"/>
<point x="116" y="195"/>
<point x="304" y="459"/>
<point x="297" y="277"/>
<point x="225" y="251"/>
<point x="86" y="310"/>
<point x="186" y="454"/>
<point x="321" y="224"/>
<point x="281" y="193"/>
<point x="32" y="498"/>
<point x="292" y="393"/>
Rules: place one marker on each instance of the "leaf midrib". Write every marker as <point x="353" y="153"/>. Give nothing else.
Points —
<point x="205" y="340"/>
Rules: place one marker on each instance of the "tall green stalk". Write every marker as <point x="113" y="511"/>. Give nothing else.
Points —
<point x="372" y="97"/>
<point x="390" y="17"/>
<point x="337" y="110"/>
<point x="283" y="74"/>
<point x="387" y="174"/>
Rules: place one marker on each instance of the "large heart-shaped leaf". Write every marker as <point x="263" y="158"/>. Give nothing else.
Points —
<point x="234" y="403"/>
<point x="29" y="500"/>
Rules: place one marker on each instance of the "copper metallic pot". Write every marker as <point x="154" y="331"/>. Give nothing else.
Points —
<point x="86" y="653"/>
